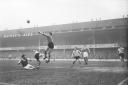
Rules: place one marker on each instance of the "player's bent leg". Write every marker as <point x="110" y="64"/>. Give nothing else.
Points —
<point x="29" y="67"/>
<point x="79" y="61"/>
<point x="75" y="60"/>
<point x="45" y="53"/>
<point x="48" y="59"/>
<point x="78" y="57"/>
<point x="38" y="63"/>
<point x="122" y="59"/>
<point x="48" y="55"/>
<point x="85" y="60"/>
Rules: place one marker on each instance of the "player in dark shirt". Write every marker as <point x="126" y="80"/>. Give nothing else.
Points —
<point x="37" y="57"/>
<point x="50" y="45"/>
<point x="24" y="62"/>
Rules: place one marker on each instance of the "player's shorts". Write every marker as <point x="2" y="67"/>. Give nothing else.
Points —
<point x="85" y="57"/>
<point x="51" y="45"/>
<point x="37" y="56"/>
<point x="28" y="66"/>
<point x="121" y="55"/>
<point x="76" y="57"/>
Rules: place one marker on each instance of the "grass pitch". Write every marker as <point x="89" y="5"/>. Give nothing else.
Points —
<point x="63" y="73"/>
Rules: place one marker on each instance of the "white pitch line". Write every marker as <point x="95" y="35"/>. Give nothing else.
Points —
<point x="100" y="69"/>
<point x="123" y="81"/>
<point x="103" y="69"/>
<point x="94" y="69"/>
<point x="11" y="71"/>
<point x="6" y="83"/>
<point x="28" y="69"/>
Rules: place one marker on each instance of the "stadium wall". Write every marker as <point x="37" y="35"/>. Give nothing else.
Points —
<point x="100" y="53"/>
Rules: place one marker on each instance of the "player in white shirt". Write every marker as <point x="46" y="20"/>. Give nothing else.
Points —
<point x="85" y="53"/>
<point x="24" y="62"/>
<point x="76" y="54"/>
<point x="121" y="53"/>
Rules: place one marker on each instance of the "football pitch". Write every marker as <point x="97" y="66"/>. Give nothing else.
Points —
<point x="61" y="72"/>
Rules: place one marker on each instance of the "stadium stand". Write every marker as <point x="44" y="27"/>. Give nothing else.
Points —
<point x="98" y="33"/>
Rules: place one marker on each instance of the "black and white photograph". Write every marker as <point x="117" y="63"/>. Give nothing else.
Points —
<point x="63" y="42"/>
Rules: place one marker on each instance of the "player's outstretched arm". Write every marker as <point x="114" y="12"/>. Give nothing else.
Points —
<point x="43" y="33"/>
